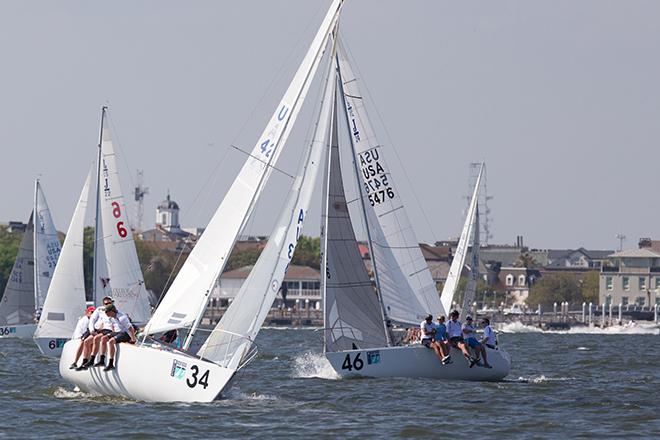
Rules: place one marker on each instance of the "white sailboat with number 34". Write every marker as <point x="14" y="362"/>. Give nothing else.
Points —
<point x="151" y="371"/>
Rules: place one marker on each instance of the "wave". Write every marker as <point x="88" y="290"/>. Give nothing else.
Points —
<point x="313" y="365"/>
<point x="63" y="393"/>
<point x="631" y="328"/>
<point x="284" y="327"/>
<point x="239" y="395"/>
<point x="542" y="379"/>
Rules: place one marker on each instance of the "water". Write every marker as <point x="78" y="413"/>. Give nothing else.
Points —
<point x="582" y="385"/>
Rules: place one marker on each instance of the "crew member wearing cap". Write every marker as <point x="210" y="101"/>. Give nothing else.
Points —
<point x="455" y="333"/>
<point x="471" y="341"/>
<point x="441" y="340"/>
<point x="427" y="334"/>
<point x="99" y="326"/>
<point x="81" y="332"/>
<point x="122" y="331"/>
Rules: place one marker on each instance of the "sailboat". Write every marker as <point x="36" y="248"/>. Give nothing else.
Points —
<point x="66" y="300"/>
<point x="358" y="337"/>
<point x="117" y="272"/>
<point x="32" y="272"/>
<point x="179" y="375"/>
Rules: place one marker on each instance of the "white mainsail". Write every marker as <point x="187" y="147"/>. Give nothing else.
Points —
<point x="186" y="298"/>
<point x="458" y="262"/>
<point x="124" y="282"/>
<point x="47" y="246"/>
<point x="407" y="288"/>
<point x="239" y="326"/>
<point x="65" y="301"/>
<point x="353" y="316"/>
<point x="17" y="305"/>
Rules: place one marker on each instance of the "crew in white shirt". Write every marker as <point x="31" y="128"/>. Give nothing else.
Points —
<point x="489" y="339"/>
<point x="81" y="332"/>
<point x="455" y="333"/>
<point x="427" y="328"/>
<point x="122" y="331"/>
<point x="99" y="326"/>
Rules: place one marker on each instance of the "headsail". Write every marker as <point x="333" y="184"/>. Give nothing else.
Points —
<point x="46" y="246"/>
<point x="65" y="302"/>
<point x="473" y="276"/>
<point x="352" y="313"/>
<point x="17" y="305"/>
<point x="406" y="285"/>
<point x="240" y="324"/>
<point x="187" y="297"/>
<point x="457" y="264"/>
<point x="124" y="282"/>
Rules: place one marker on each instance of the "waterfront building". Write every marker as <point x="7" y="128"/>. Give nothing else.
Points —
<point x="632" y="277"/>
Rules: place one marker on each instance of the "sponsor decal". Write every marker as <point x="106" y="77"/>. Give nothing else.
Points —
<point x="373" y="357"/>
<point x="178" y="369"/>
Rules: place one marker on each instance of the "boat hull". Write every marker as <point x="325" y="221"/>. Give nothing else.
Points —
<point x="51" y="347"/>
<point x="149" y="373"/>
<point x="25" y="331"/>
<point x="416" y="361"/>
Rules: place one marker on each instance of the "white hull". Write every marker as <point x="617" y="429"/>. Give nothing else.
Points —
<point x="25" y="331"/>
<point x="416" y="361"/>
<point x="51" y="347"/>
<point x="149" y="373"/>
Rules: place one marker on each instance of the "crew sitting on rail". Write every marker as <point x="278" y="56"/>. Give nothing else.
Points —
<point x="455" y="333"/>
<point x="427" y="328"/>
<point x="99" y="326"/>
<point x="471" y="340"/>
<point x="81" y="332"/>
<point x="122" y="331"/>
<point x="489" y="339"/>
<point x="441" y="340"/>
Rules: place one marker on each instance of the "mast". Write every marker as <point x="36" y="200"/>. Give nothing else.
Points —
<point x="364" y="213"/>
<point x="34" y="247"/>
<point x="98" y="204"/>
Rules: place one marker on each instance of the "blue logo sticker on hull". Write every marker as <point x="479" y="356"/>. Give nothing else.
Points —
<point x="373" y="357"/>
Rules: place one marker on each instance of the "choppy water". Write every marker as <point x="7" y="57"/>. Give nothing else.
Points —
<point x="581" y="385"/>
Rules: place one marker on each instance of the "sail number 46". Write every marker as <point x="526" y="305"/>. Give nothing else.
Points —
<point x="193" y="380"/>
<point x="357" y="363"/>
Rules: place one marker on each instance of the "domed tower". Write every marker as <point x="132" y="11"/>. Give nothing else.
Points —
<point x="167" y="214"/>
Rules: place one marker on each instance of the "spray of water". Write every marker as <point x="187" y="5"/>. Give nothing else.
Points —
<point x="310" y="364"/>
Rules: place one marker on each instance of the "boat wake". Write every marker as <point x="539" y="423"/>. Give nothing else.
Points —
<point x="631" y="328"/>
<point x="542" y="379"/>
<point x="63" y="393"/>
<point x="313" y="365"/>
<point x="235" y="394"/>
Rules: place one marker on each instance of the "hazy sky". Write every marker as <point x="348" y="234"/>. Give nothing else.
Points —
<point x="560" y="98"/>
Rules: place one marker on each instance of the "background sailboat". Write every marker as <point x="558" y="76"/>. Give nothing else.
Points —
<point x="32" y="272"/>
<point x="65" y="301"/>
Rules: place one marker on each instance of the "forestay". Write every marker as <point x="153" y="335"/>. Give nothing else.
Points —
<point x="352" y="313"/>
<point x="406" y="285"/>
<point x="17" y="305"/>
<point x="186" y="298"/>
<point x="65" y="301"/>
<point x="124" y="282"/>
<point x="458" y="262"/>
<point x="240" y="324"/>
<point x="46" y="246"/>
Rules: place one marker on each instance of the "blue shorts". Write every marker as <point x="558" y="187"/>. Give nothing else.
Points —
<point x="472" y="342"/>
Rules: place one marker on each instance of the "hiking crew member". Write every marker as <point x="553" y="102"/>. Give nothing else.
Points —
<point x="455" y="333"/>
<point x="441" y="340"/>
<point x="99" y="326"/>
<point x="81" y="332"/>
<point x="489" y="339"/>
<point x="471" y="341"/>
<point x="122" y="331"/>
<point x="428" y="334"/>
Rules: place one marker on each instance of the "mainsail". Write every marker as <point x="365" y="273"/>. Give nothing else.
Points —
<point x="406" y="286"/>
<point x="352" y="313"/>
<point x="124" y="282"/>
<point x="46" y="246"/>
<point x="17" y="305"/>
<point x="240" y="324"/>
<point x="458" y="262"/>
<point x="186" y="299"/>
<point x="65" y="302"/>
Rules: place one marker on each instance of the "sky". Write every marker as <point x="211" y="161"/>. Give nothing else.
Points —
<point x="561" y="99"/>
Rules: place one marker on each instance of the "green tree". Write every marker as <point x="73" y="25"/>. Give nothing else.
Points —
<point x="553" y="288"/>
<point x="243" y="258"/>
<point x="525" y="260"/>
<point x="308" y="252"/>
<point x="9" y="242"/>
<point x="590" y="287"/>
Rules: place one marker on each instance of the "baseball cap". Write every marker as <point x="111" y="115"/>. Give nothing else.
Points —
<point x="468" y="318"/>
<point x="90" y="309"/>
